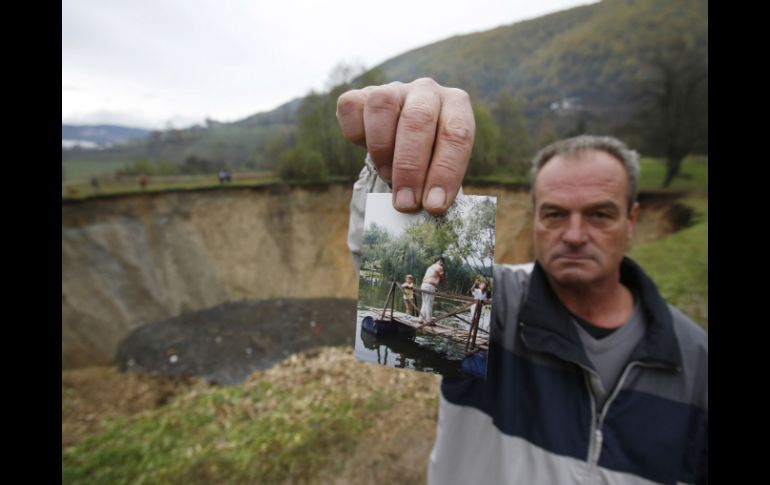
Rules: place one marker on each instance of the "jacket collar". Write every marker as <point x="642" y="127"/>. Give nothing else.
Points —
<point x="546" y="324"/>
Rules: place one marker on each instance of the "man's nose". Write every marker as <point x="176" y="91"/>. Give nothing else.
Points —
<point x="575" y="233"/>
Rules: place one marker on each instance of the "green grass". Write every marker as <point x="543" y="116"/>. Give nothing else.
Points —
<point x="693" y="175"/>
<point x="84" y="190"/>
<point x="678" y="263"/>
<point x="498" y="178"/>
<point x="83" y="170"/>
<point x="259" y="433"/>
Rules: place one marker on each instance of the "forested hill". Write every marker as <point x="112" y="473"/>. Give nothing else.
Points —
<point x="587" y="69"/>
<point x="592" y="56"/>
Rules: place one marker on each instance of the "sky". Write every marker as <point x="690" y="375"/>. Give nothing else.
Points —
<point x="170" y="63"/>
<point x="380" y="211"/>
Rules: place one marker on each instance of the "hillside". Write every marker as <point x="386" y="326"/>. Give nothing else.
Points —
<point x="592" y="55"/>
<point x="570" y="71"/>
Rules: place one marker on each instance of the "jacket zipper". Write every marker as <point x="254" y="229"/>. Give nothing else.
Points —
<point x="596" y="435"/>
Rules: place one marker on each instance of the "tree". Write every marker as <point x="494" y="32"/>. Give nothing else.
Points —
<point x="375" y="235"/>
<point x="317" y="124"/>
<point x="343" y="73"/>
<point x="485" y="147"/>
<point x="515" y="144"/>
<point x="475" y="241"/>
<point x="672" y="118"/>
<point x="303" y="164"/>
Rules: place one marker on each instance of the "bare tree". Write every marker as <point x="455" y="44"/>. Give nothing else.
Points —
<point x="673" y="103"/>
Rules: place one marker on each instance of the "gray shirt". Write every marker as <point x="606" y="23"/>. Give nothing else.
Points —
<point x="610" y="354"/>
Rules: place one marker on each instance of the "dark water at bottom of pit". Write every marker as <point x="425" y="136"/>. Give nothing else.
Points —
<point x="227" y="343"/>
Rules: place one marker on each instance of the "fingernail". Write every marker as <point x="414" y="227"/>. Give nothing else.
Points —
<point x="404" y="199"/>
<point x="384" y="172"/>
<point x="436" y="198"/>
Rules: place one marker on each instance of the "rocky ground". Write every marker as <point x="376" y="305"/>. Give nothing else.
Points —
<point x="225" y="344"/>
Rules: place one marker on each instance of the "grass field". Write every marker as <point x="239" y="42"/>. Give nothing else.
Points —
<point x="679" y="266"/>
<point x="693" y="175"/>
<point x="82" y="170"/>
<point x="288" y="425"/>
<point x="130" y="185"/>
<point x="678" y="263"/>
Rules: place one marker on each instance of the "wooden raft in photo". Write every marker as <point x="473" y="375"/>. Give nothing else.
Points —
<point x="471" y="338"/>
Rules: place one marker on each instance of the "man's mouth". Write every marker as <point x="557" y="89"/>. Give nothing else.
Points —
<point x="573" y="256"/>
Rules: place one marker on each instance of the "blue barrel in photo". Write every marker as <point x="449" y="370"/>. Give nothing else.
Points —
<point x="379" y="327"/>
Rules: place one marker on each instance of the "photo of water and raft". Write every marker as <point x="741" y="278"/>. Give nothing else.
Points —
<point x="441" y="328"/>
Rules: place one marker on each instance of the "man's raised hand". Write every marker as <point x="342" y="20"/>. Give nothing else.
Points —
<point x="419" y="135"/>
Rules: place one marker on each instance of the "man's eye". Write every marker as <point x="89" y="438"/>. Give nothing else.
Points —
<point x="552" y="215"/>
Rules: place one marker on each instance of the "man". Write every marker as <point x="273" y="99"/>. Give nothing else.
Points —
<point x="592" y="377"/>
<point x="433" y="276"/>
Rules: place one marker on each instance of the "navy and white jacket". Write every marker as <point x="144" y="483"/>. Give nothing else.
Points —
<point x="533" y="420"/>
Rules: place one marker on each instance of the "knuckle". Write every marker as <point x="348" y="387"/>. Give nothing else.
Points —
<point x="457" y="133"/>
<point x="458" y="93"/>
<point x="379" y="146"/>
<point x="408" y="165"/>
<point x="419" y="116"/>
<point x="382" y="99"/>
<point x="425" y="81"/>
<point x="446" y="168"/>
<point x="347" y="104"/>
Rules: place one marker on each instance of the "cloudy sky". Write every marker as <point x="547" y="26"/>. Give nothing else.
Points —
<point x="161" y="63"/>
<point x="380" y="211"/>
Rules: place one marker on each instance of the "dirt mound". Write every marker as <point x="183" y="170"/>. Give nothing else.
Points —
<point x="227" y="343"/>
<point x="396" y="443"/>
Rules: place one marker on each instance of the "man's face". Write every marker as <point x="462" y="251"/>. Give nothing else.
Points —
<point x="582" y="225"/>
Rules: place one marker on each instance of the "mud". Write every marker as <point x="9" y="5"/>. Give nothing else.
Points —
<point x="227" y="343"/>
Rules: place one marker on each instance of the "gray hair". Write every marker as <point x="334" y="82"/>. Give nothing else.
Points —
<point x="571" y="147"/>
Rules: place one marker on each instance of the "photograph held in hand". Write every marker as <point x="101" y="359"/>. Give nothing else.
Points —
<point x="425" y="285"/>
